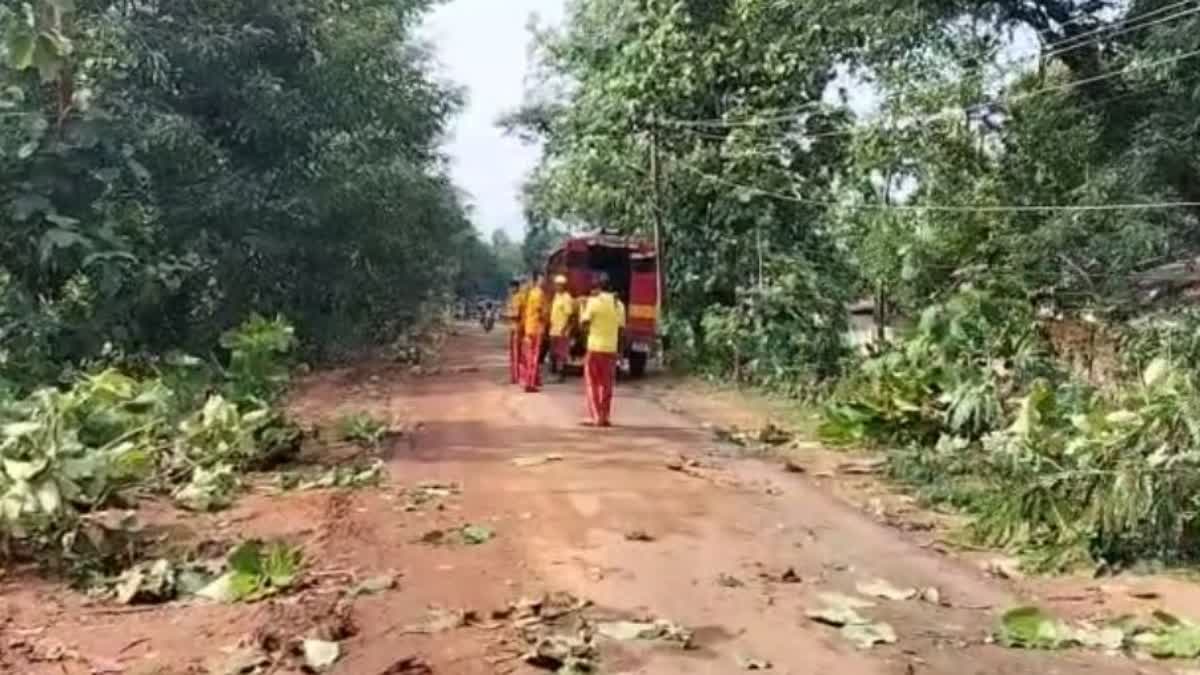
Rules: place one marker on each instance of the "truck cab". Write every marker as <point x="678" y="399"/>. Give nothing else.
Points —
<point x="632" y="267"/>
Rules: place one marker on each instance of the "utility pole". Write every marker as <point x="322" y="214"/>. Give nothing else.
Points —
<point x="656" y="181"/>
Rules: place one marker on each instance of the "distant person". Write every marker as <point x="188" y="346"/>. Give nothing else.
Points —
<point x="561" y="312"/>
<point x="533" y="319"/>
<point x="512" y="314"/>
<point x="603" y="319"/>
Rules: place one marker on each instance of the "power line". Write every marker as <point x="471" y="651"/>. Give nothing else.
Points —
<point x="1016" y="98"/>
<point x="783" y="115"/>
<point x="954" y="208"/>
<point x="1133" y="19"/>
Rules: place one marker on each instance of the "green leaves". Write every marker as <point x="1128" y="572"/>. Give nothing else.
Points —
<point x="20" y="45"/>
<point x="255" y="571"/>
<point x="362" y="428"/>
<point x="1168" y="637"/>
<point x="1032" y="628"/>
<point x="473" y="535"/>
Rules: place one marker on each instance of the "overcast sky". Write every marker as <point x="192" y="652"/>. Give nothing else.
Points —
<point x="483" y="45"/>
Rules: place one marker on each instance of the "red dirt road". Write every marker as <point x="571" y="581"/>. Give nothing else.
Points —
<point x="721" y="531"/>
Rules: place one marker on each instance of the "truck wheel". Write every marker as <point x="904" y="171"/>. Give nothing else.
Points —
<point x="637" y="364"/>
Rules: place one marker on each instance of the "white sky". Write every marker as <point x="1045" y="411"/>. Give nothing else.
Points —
<point x="483" y="46"/>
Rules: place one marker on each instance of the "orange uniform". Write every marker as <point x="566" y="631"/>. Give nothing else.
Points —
<point x="533" y="318"/>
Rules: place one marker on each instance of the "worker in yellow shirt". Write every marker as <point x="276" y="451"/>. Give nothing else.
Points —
<point x="512" y="314"/>
<point x="562" y="309"/>
<point x="603" y="319"/>
<point x="533" y="319"/>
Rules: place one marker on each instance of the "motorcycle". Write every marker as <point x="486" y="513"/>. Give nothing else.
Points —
<point x="487" y="320"/>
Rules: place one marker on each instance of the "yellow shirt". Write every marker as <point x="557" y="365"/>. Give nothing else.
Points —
<point x="560" y="313"/>
<point x="606" y="316"/>
<point x="516" y="304"/>
<point x="535" y="311"/>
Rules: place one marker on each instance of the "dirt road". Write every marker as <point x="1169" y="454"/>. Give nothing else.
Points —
<point x="724" y="530"/>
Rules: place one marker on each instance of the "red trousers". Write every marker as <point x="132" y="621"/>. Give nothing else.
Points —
<point x="560" y="348"/>
<point x="599" y="375"/>
<point x="514" y="354"/>
<point x="531" y="363"/>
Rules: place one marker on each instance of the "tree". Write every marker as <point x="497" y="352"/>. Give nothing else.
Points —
<point x="167" y="168"/>
<point x="621" y="75"/>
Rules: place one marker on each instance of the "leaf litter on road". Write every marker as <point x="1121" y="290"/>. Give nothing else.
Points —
<point x="750" y="663"/>
<point x="659" y="630"/>
<point x="881" y="588"/>
<point x="841" y="611"/>
<point x="320" y="655"/>
<point x="470" y="535"/>
<point x="1165" y="636"/>
<point x="639" y="535"/>
<point x="729" y="581"/>
<point x="374" y="585"/>
<point x="473" y="535"/>
<point x="429" y="492"/>
<point x="255" y="570"/>
<point x="536" y="460"/>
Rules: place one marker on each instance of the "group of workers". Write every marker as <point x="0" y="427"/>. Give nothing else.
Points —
<point x="599" y="317"/>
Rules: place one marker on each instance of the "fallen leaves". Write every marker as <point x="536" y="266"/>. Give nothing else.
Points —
<point x="209" y="490"/>
<point x="729" y="581"/>
<point x="841" y="611"/>
<point x="429" y="492"/>
<point x="866" y="634"/>
<point x="862" y="467"/>
<point x="750" y="663"/>
<point x="1004" y="568"/>
<point x="344" y="476"/>
<point x="639" y="535"/>
<point x="440" y="620"/>
<point x="1165" y="637"/>
<point x="409" y="665"/>
<point x="473" y="535"/>
<point x="536" y="460"/>
<point x="880" y="588"/>
<point x="660" y="630"/>
<point x="255" y="571"/>
<point x="470" y="535"/>
<point x="792" y="466"/>
<point x="374" y="585"/>
<point x="151" y="582"/>
<point x="768" y="435"/>
<point x="320" y="655"/>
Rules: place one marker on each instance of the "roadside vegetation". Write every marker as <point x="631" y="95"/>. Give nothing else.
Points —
<point x="194" y="199"/>
<point x="979" y="172"/>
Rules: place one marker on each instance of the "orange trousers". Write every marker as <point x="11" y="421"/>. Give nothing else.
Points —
<point x="531" y="362"/>
<point x="514" y="354"/>
<point x="599" y="376"/>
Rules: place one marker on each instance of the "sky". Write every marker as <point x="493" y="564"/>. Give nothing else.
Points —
<point x="483" y="45"/>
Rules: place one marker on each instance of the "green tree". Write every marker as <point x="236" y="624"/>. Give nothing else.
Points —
<point x="633" y="70"/>
<point x="168" y="168"/>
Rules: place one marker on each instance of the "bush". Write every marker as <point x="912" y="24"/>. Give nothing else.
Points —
<point x="258" y="358"/>
<point x="787" y="334"/>
<point x="1112" y="478"/>
<point x="950" y="375"/>
<point x="64" y="452"/>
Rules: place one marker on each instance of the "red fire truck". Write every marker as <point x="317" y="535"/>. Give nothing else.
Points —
<point x="632" y="267"/>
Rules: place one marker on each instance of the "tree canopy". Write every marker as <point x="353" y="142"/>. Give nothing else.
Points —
<point x="166" y="168"/>
<point x="1002" y="135"/>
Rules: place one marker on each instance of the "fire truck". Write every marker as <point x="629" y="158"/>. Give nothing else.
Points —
<point x="632" y="268"/>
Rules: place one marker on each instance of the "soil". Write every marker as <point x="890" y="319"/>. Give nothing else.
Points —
<point x="651" y="519"/>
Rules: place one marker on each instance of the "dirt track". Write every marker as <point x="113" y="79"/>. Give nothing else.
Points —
<point x="562" y="526"/>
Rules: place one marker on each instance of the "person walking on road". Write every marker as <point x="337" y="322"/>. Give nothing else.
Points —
<point x="512" y="313"/>
<point x="561" y="311"/>
<point x="533" y="317"/>
<point x="603" y="319"/>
